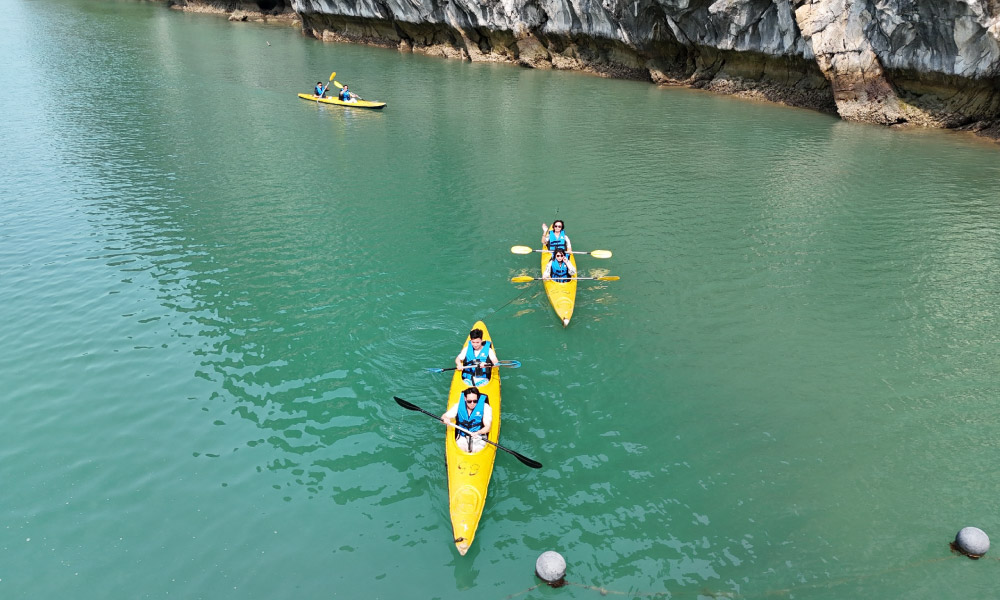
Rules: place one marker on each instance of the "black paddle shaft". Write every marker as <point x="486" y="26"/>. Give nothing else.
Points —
<point x="534" y="464"/>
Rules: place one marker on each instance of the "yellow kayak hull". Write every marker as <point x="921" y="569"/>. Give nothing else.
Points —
<point x="562" y="296"/>
<point x="469" y="474"/>
<point x="355" y="104"/>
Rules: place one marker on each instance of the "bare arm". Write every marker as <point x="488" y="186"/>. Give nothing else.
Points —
<point x="487" y="422"/>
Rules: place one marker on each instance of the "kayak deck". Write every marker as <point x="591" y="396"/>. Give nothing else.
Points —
<point x="469" y="474"/>
<point x="338" y="102"/>
<point x="562" y="296"/>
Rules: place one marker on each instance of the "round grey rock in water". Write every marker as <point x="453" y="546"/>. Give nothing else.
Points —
<point x="972" y="541"/>
<point x="551" y="567"/>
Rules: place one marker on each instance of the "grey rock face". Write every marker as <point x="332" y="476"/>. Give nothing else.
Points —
<point x="933" y="62"/>
<point x="928" y="62"/>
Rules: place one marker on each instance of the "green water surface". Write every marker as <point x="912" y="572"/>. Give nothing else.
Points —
<point x="211" y="291"/>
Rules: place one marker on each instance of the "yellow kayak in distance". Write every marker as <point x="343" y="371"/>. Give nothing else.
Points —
<point x="562" y="296"/>
<point x="355" y="104"/>
<point x="469" y="474"/>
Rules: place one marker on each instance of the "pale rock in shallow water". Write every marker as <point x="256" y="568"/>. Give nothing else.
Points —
<point x="551" y="567"/>
<point x="972" y="541"/>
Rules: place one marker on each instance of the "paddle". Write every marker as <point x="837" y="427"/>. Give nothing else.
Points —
<point x="534" y="464"/>
<point x="503" y="363"/>
<point x="327" y="86"/>
<point x="527" y="278"/>
<point x="594" y="253"/>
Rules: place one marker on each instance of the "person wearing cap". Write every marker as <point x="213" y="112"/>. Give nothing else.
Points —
<point x="559" y="269"/>
<point x="320" y="91"/>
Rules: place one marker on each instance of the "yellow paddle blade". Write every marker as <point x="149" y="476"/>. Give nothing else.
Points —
<point x="601" y="253"/>
<point x="521" y="250"/>
<point x="522" y="279"/>
<point x="337" y="85"/>
<point x="608" y="278"/>
<point x="332" y="75"/>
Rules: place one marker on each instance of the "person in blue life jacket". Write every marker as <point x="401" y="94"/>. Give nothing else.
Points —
<point x="559" y="268"/>
<point x="477" y="356"/>
<point x="472" y="412"/>
<point x="555" y="238"/>
<point x="346" y="95"/>
<point x="320" y="91"/>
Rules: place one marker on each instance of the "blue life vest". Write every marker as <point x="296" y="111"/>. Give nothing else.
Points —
<point x="558" y="242"/>
<point x="559" y="272"/>
<point x="477" y="375"/>
<point x="345" y="95"/>
<point x="320" y="89"/>
<point x="474" y="421"/>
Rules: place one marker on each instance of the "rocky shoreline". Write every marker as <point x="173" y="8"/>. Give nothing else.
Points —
<point x="279" y="14"/>
<point x="897" y="63"/>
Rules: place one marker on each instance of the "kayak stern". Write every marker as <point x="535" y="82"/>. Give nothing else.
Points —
<point x="562" y="296"/>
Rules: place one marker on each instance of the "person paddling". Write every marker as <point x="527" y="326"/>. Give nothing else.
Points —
<point x="472" y="412"/>
<point x="320" y="91"/>
<point x="555" y="238"/>
<point x="347" y="96"/>
<point x="559" y="269"/>
<point x="479" y="356"/>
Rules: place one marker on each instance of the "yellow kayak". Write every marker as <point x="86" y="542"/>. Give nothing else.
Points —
<point x="356" y="104"/>
<point x="469" y="474"/>
<point x="562" y="296"/>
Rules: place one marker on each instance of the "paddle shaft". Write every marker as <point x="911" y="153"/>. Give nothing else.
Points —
<point x="503" y="363"/>
<point x="327" y="86"/>
<point x="606" y="278"/>
<point x="566" y="251"/>
<point x="459" y="427"/>
<point x="529" y="250"/>
<point x="534" y="464"/>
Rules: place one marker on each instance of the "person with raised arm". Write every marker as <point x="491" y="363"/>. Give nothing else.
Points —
<point x="554" y="237"/>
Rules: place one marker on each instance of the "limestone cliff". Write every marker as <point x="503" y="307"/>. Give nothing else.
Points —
<point x="926" y="62"/>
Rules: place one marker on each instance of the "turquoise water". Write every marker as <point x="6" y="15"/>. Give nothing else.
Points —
<point x="213" y="290"/>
